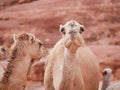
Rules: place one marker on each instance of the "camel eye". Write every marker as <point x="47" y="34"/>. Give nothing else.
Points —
<point x="81" y="29"/>
<point x="104" y="73"/>
<point x="63" y="30"/>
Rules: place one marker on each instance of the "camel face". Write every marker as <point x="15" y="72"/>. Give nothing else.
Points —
<point x="71" y="33"/>
<point x="33" y="46"/>
<point x="107" y="73"/>
<point x="107" y="77"/>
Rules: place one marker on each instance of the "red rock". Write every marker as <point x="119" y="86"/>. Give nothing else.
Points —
<point x="4" y="3"/>
<point x="35" y="18"/>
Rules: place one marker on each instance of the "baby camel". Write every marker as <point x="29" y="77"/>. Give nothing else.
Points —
<point x="70" y="64"/>
<point x="107" y="77"/>
<point x="26" y="47"/>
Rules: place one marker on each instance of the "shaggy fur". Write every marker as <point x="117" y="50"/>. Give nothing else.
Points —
<point x="71" y="65"/>
<point x="24" y="49"/>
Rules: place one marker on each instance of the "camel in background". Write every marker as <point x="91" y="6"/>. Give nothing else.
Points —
<point x="107" y="78"/>
<point x="70" y="64"/>
<point x="25" y="49"/>
<point x="3" y="53"/>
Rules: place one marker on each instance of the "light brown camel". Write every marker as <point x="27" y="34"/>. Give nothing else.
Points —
<point x="26" y="47"/>
<point x="70" y="64"/>
<point x="107" y="77"/>
<point x="2" y="53"/>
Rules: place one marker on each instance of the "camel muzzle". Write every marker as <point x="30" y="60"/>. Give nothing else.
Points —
<point x="73" y="34"/>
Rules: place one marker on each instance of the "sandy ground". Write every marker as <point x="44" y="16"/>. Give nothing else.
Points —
<point x="39" y="86"/>
<point x="34" y="86"/>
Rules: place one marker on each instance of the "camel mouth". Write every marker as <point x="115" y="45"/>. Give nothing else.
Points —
<point x="73" y="34"/>
<point x="72" y="38"/>
<point x="74" y="42"/>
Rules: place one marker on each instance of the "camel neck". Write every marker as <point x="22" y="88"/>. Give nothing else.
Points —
<point x="68" y="68"/>
<point x="69" y="56"/>
<point x="69" y="61"/>
<point x="17" y="70"/>
<point x="106" y="83"/>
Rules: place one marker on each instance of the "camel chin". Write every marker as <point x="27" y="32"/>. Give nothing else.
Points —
<point x="69" y="42"/>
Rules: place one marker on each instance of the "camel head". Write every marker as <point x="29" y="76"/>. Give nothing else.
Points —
<point x="29" y="45"/>
<point x="71" y="33"/>
<point x="107" y="73"/>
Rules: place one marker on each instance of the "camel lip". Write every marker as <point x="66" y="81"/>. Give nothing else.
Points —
<point x="72" y="32"/>
<point x="73" y="35"/>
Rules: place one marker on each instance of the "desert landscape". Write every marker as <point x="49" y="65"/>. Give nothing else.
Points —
<point x="101" y="19"/>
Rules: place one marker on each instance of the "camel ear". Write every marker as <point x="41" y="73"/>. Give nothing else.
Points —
<point x="31" y="38"/>
<point x="40" y="42"/>
<point x="14" y="37"/>
<point x="82" y="29"/>
<point x="62" y="29"/>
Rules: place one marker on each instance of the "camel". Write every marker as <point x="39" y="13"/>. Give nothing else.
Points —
<point x="107" y="77"/>
<point x="71" y="65"/>
<point x="2" y="53"/>
<point x="25" y="49"/>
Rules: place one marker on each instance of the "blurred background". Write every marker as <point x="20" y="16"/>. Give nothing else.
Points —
<point x="42" y="18"/>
